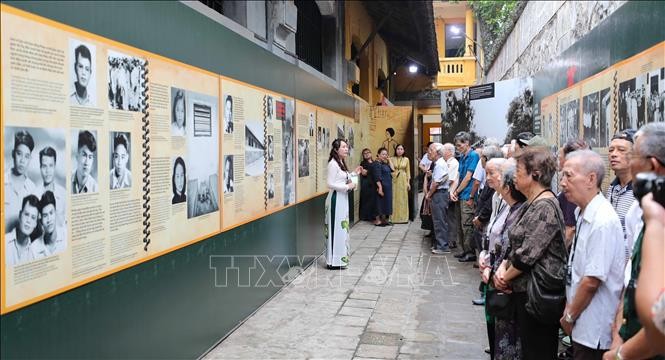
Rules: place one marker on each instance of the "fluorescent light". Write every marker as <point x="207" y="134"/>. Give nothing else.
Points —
<point x="455" y="30"/>
<point x="413" y="69"/>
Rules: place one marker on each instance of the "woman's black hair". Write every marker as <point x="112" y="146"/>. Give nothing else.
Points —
<point x="179" y="95"/>
<point x="390" y="131"/>
<point x="180" y="161"/>
<point x="398" y="145"/>
<point x="334" y="155"/>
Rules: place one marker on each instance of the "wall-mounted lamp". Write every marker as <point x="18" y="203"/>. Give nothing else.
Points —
<point x="413" y="69"/>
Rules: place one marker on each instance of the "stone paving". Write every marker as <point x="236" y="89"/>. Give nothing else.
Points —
<point x="395" y="301"/>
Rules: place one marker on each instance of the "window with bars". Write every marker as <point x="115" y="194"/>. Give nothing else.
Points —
<point x="308" y="35"/>
<point x="216" y="5"/>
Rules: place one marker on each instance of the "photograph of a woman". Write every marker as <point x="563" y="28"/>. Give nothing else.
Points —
<point x="178" y="112"/>
<point x="179" y="181"/>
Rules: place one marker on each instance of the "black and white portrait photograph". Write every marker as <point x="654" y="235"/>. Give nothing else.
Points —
<point x="120" y="176"/>
<point x="271" y="186"/>
<point x="202" y="140"/>
<point x="178" y="112"/>
<point x="656" y="95"/>
<point x="35" y="199"/>
<point x="254" y="148"/>
<point x="287" y="149"/>
<point x="228" y="114"/>
<point x="312" y="124"/>
<point x="83" y="89"/>
<point x="270" y="148"/>
<point x="179" y="181"/>
<point x="126" y="87"/>
<point x="228" y="174"/>
<point x="84" y="161"/>
<point x="591" y="119"/>
<point x="269" y="107"/>
<point x="351" y="140"/>
<point x="303" y="157"/>
<point x="319" y="138"/>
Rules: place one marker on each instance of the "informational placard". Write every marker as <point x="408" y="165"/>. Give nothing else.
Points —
<point x="258" y="163"/>
<point x="72" y="116"/>
<point x="184" y="153"/>
<point x="280" y="151"/>
<point x="306" y="138"/>
<point x="325" y="128"/>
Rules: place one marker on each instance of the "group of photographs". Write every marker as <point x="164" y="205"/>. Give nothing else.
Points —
<point x="194" y="178"/>
<point x="36" y="180"/>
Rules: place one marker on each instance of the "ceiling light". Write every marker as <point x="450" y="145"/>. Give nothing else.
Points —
<point x="455" y="30"/>
<point x="413" y="69"/>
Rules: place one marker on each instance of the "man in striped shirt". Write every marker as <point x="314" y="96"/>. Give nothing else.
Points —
<point x="620" y="191"/>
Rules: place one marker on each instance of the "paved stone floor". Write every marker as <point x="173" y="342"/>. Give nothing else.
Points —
<point x="395" y="301"/>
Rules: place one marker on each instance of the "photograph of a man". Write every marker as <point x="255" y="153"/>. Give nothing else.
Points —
<point x="19" y="246"/>
<point x="83" y="178"/>
<point x="120" y="176"/>
<point x="47" y="168"/>
<point x="83" y="86"/>
<point x="228" y="115"/>
<point x="17" y="183"/>
<point x="54" y="237"/>
<point x="228" y="174"/>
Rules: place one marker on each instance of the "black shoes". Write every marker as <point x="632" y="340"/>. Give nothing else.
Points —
<point x="467" y="258"/>
<point x="460" y="255"/>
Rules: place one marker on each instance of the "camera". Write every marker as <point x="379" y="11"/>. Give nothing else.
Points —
<point x="650" y="183"/>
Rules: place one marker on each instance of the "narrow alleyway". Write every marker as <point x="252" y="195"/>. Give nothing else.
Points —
<point x="395" y="301"/>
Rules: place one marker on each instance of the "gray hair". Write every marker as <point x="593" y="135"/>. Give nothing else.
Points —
<point x="438" y="147"/>
<point x="497" y="162"/>
<point x="449" y="147"/>
<point x="651" y="143"/>
<point x="508" y="173"/>
<point x="492" y="142"/>
<point x="492" y="152"/>
<point x="591" y="162"/>
<point x="463" y="136"/>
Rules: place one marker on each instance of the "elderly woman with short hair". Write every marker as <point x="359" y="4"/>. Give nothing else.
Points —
<point x="536" y="242"/>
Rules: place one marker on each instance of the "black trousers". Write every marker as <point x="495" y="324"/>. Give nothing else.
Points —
<point x="581" y="352"/>
<point x="539" y="341"/>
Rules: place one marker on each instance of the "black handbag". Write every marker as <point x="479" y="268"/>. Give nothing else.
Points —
<point x="546" y="288"/>
<point x="499" y="304"/>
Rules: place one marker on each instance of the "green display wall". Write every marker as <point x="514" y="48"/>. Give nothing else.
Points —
<point x="169" y="307"/>
<point x="631" y="29"/>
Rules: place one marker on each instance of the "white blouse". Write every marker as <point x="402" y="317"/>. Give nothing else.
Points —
<point x="337" y="177"/>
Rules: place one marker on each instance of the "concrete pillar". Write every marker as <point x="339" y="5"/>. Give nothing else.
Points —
<point x="469" y="33"/>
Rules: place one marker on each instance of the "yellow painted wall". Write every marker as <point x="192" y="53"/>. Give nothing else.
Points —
<point x="358" y="27"/>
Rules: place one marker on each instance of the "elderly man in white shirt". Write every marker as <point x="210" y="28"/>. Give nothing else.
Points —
<point x="453" y="177"/>
<point x="438" y="193"/>
<point x="596" y="260"/>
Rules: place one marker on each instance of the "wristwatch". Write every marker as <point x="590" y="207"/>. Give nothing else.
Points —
<point x="569" y="318"/>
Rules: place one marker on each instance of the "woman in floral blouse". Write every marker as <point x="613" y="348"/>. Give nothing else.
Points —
<point x="536" y="236"/>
